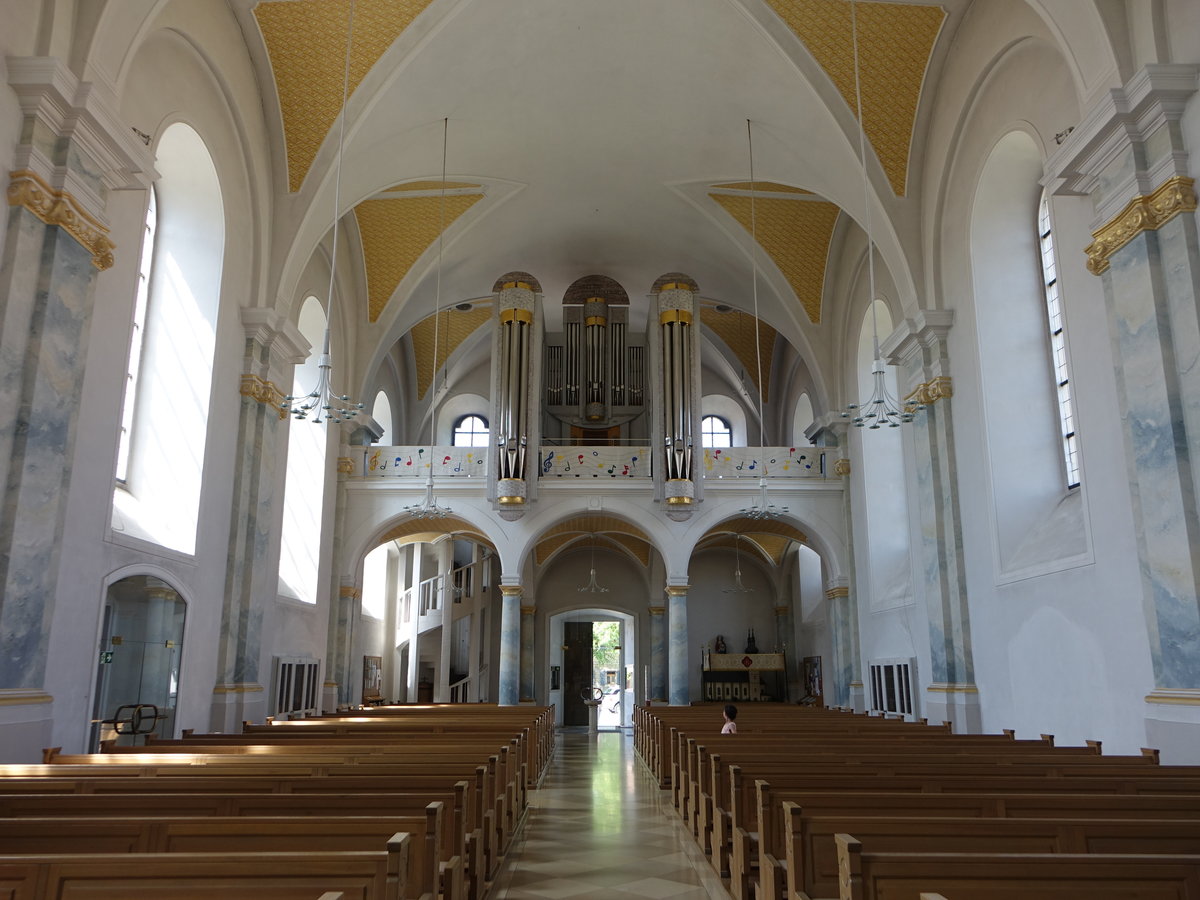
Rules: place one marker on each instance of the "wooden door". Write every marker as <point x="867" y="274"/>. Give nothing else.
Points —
<point x="577" y="671"/>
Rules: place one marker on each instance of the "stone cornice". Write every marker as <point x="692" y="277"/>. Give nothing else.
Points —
<point x="1144" y="213"/>
<point x="27" y="189"/>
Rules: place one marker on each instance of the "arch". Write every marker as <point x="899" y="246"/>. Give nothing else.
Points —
<point x="381" y="412"/>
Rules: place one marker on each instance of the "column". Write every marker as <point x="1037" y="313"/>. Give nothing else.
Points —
<point x="925" y="368"/>
<point x="680" y="694"/>
<point x="527" y="648"/>
<point x="273" y="346"/>
<point x="656" y="690"/>
<point x="75" y="152"/>
<point x="840" y="592"/>
<point x="1146" y="254"/>
<point x="413" y="675"/>
<point x="445" y="593"/>
<point x="478" y="638"/>
<point x="510" y="644"/>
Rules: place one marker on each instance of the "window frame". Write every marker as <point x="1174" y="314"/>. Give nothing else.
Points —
<point x="1056" y="335"/>
<point x="457" y="430"/>
<point x="707" y="434"/>
<point x="137" y="338"/>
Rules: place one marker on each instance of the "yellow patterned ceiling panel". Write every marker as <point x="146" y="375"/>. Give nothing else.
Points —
<point x="736" y="329"/>
<point x="634" y="547"/>
<point x="453" y="327"/>
<point x="767" y="548"/>
<point x="750" y="527"/>
<point x="596" y="525"/>
<point x="768" y="186"/>
<point x="395" y="231"/>
<point x="894" y="44"/>
<point x="433" y="186"/>
<point x="306" y="42"/>
<point x="796" y="235"/>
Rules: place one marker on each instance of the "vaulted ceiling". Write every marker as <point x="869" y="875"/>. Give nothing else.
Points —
<point x="595" y="138"/>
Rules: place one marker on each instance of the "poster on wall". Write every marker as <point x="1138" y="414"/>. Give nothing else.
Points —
<point x="813" y="686"/>
<point x="372" y="688"/>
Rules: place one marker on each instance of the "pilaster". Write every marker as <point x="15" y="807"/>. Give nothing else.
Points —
<point x="273" y="346"/>
<point x="527" y="651"/>
<point x="656" y="691"/>
<point x="1129" y="155"/>
<point x="920" y="349"/>
<point x="74" y="152"/>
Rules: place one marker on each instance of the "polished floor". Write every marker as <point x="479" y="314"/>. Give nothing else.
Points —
<point x="600" y="827"/>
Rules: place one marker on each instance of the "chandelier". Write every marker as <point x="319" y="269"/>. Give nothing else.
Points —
<point x="738" y="587"/>
<point x="882" y="408"/>
<point x="593" y="586"/>
<point x="429" y="508"/>
<point x="322" y="403"/>
<point x="763" y="508"/>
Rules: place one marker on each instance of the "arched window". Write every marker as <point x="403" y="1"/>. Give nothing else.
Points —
<point x="471" y="431"/>
<point x="304" y="489"/>
<point x="715" y="432"/>
<point x="1058" y="344"/>
<point x="137" y="336"/>
<point x="381" y="412"/>
<point x="802" y="420"/>
<point x="169" y="378"/>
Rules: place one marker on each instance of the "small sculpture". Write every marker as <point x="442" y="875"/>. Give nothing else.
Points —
<point x="751" y="644"/>
<point x="719" y="644"/>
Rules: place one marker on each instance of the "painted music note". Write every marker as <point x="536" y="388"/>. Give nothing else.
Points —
<point x="626" y="471"/>
<point x="374" y="461"/>
<point x="548" y="462"/>
<point x="581" y="457"/>
<point x="409" y="463"/>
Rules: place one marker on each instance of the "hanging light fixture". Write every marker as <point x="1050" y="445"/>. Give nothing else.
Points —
<point x="593" y="586"/>
<point x="738" y="587"/>
<point x="763" y="508"/>
<point x="322" y="403"/>
<point x="429" y="508"/>
<point x="882" y="408"/>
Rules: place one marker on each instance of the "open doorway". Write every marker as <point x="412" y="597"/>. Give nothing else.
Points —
<point x="592" y="656"/>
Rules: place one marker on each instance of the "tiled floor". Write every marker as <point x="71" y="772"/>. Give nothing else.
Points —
<point x="600" y="827"/>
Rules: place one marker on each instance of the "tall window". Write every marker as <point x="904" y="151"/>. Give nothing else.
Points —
<point x="471" y="431"/>
<point x="715" y="432"/>
<point x="1058" y="345"/>
<point x="137" y="336"/>
<point x="381" y="412"/>
<point x="304" y="489"/>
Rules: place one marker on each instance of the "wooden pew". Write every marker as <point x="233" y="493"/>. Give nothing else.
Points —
<point x="812" y="859"/>
<point x="867" y="875"/>
<point x="355" y="875"/>
<point x="249" y="834"/>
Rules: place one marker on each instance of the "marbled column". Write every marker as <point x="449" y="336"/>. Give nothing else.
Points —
<point x="658" y="655"/>
<point x="842" y="597"/>
<point x="843" y="621"/>
<point x="680" y="694"/>
<point x="510" y="645"/>
<point x="1150" y="291"/>
<point x="527" y="647"/>
<point x="72" y="154"/>
<point x="952" y="695"/>
<point x="273" y="346"/>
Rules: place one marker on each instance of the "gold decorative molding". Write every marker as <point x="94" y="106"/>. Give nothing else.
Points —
<point x="679" y="501"/>
<point x="512" y="590"/>
<point x="795" y="232"/>
<point x="24" y="698"/>
<point x="940" y="388"/>
<point x="1175" y="696"/>
<point x="1148" y="212"/>
<point x="27" y="189"/>
<point x="782" y="610"/>
<point x="349" y="591"/>
<point x="657" y="610"/>
<point x="516" y="315"/>
<point x="841" y="467"/>
<point x="510" y="501"/>
<point x="677" y="590"/>
<point x="952" y="689"/>
<point x="238" y="689"/>
<point x="263" y="391"/>
<point x="345" y="465"/>
<point x="835" y="592"/>
<point x="528" y="610"/>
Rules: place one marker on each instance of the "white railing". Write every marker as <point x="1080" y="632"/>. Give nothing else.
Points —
<point x="594" y="462"/>
<point x="416" y="462"/>
<point x="756" y="462"/>
<point x="460" y="691"/>
<point x="428" y="591"/>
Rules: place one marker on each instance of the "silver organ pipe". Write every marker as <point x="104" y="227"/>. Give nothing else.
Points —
<point x="675" y="303"/>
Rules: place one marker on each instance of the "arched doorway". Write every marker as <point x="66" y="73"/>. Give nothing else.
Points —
<point x="593" y="648"/>
<point x="137" y="680"/>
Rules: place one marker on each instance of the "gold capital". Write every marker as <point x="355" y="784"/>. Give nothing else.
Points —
<point x="1147" y="212"/>
<point x="263" y="391"/>
<point x="841" y="467"/>
<point x="512" y="590"/>
<point x="677" y="590"/>
<point x="345" y="465"/>
<point x="940" y="388"/>
<point x="27" y="189"/>
<point x="835" y="592"/>
<point x="349" y="592"/>
<point x="657" y="610"/>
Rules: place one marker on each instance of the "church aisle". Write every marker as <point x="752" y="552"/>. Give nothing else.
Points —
<point x="600" y="827"/>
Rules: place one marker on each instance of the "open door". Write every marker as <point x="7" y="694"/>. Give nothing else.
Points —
<point x="577" y="671"/>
